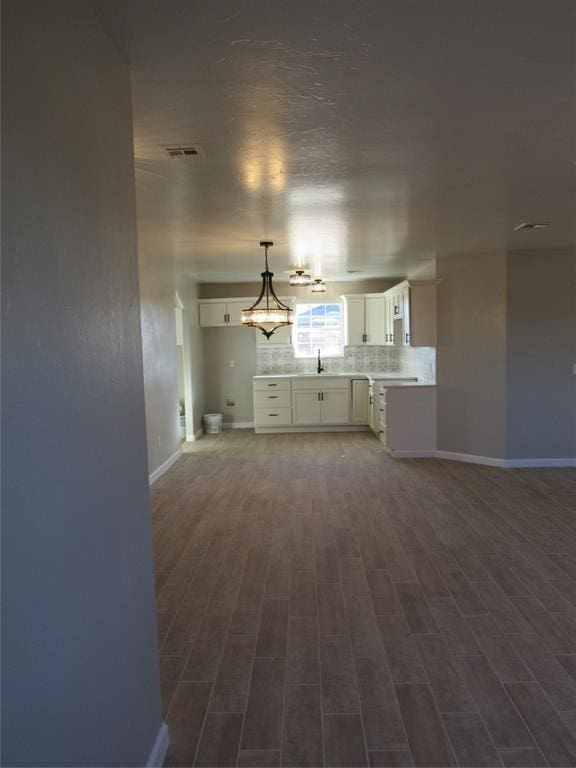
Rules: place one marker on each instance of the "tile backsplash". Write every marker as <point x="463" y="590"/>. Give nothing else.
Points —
<point x="410" y="361"/>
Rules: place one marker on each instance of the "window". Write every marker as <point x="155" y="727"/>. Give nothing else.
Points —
<point x="318" y="327"/>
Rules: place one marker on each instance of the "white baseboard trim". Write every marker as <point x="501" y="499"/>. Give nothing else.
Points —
<point x="413" y="454"/>
<point x="160" y="748"/>
<point x="490" y="461"/>
<point x="159" y="471"/>
<point x="283" y="430"/>
<point x="196" y="436"/>
<point x="238" y="425"/>
<point x="534" y="463"/>
<point x="470" y="458"/>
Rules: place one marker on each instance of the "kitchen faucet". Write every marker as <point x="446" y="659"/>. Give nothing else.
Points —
<point x="320" y="366"/>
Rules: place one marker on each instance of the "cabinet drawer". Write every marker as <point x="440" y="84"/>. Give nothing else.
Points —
<point x="321" y="383"/>
<point x="272" y="398"/>
<point x="267" y="385"/>
<point x="268" y="417"/>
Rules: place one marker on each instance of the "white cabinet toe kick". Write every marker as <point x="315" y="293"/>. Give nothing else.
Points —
<point x="403" y="418"/>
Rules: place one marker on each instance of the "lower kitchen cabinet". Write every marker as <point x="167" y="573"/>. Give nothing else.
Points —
<point x="406" y="420"/>
<point x="360" y="394"/>
<point x="335" y="406"/>
<point x="306" y="408"/>
<point x="325" y="406"/>
<point x="403" y="417"/>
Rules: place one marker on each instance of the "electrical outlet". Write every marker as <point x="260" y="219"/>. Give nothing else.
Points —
<point x="230" y="403"/>
<point x="232" y="364"/>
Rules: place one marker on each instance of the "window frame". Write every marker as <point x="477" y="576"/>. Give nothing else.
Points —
<point x="325" y="303"/>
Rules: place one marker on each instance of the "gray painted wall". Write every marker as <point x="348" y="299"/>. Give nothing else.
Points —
<point x="80" y="682"/>
<point x="157" y="303"/>
<point x="220" y="346"/>
<point x="471" y="354"/>
<point x="193" y="352"/>
<point x="541" y="325"/>
<point x="335" y="289"/>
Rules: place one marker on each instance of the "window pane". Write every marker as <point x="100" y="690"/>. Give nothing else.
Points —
<point x="318" y="327"/>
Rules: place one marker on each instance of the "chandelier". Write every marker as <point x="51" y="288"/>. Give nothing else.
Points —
<point x="267" y="313"/>
<point x="318" y="286"/>
<point x="299" y="278"/>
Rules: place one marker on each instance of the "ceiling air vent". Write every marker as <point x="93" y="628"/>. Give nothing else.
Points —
<point x="532" y="225"/>
<point x="182" y="151"/>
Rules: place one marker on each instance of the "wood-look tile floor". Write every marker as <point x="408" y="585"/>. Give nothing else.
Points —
<point x="322" y="604"/>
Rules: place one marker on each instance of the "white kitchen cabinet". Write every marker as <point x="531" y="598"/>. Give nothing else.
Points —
<point x="365" y="320"/>
<point x="234" y="311"/>
<point x="213" y="314"/>
<point x="375" y="320"/>
<point x="335" y="406"/>
<point x="389" y="310"/>
<point x="360" y="401"/>
<point x="412" y="313"/>
<point x="218" y="313"/>
<point x="273" y="417"/>
<point x="306" y="408"/>
<point x="354" y="320"/>
<point x="320" y="400"/>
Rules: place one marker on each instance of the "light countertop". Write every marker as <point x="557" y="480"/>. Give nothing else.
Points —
<point x="391" y="379"/>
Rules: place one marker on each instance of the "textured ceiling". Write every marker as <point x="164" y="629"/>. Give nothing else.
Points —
<point x="368" y="136"/>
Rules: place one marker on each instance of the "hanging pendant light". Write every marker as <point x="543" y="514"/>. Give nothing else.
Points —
<point x="267" y="313"/>
<point x="318" y="286"/>
<point x="299" y="278"/>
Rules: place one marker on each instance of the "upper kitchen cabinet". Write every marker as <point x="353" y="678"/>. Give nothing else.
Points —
<point x="413" y="304"/>
<point x="365" y="320"/>
<point x="216" y="312"/>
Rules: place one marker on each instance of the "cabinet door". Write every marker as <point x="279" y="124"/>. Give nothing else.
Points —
<point x="306" y="407"/>
<point x="335" y="406"/>
<point x="406" y="330"/>
<point x="397" y="304"/>
<point x="389" y="335"/>
<point x="359" y="401"/>
<point x="376" y="321"/>
<point x="234" y="311"/>
<point x="213" y="314"/>
<point x="355" y="326"/>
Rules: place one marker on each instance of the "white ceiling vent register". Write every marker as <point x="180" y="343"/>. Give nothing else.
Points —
<point x="182" y="151"/>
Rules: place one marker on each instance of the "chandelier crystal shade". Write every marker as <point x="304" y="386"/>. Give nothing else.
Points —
<point x="267" y="313"/>
<point x="318" y="286"/>
<point x="299" y="278"/>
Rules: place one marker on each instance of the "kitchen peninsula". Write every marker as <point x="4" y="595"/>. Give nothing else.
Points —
<point x="401" y="411"/>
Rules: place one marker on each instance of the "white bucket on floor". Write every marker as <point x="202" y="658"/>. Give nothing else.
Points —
<point x="212" y="423"/>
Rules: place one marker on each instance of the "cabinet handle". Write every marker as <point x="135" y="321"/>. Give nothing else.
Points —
<point x="272" y="414"/>
<point x="387" y="336"/>
<point x="272" y="385"/>
<point x="396" y="309"/>
<point x="272" y="397"/>
<point x="318" y="396"/>
<point x="407" y="338"/>
<point x="322" y="396"/>
<point x="381" y="410"/>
